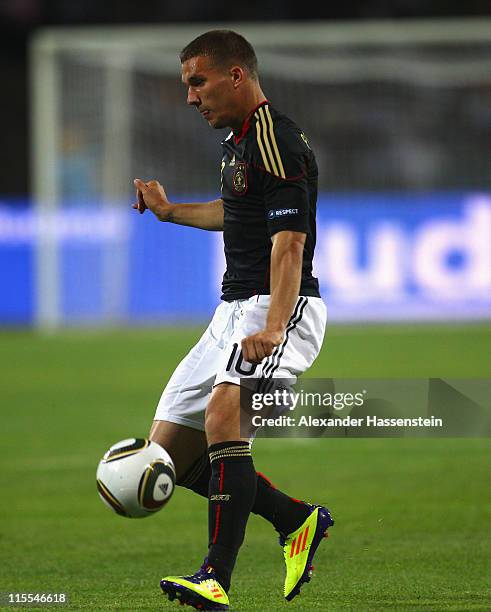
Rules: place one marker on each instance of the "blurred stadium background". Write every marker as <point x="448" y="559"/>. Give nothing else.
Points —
<point x="398" y="115"/>
<point x="98" y="304"/>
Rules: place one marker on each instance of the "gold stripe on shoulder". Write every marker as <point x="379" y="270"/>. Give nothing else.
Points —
<point x="260" y="143"/>
<point x="267" y="143"/>
<point x="273" y="142"/>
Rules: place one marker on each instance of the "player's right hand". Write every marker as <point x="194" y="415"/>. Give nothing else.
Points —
<point x="139" y="205"/>
<point x="152" y="195"/>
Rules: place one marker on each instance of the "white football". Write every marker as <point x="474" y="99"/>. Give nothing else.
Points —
<point x="136" y="477"/>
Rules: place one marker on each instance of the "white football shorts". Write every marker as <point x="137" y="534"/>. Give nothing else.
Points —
<point x="217" y="356"/>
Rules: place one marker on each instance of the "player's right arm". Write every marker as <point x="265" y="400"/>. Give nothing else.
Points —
<point x="203" y="215"/>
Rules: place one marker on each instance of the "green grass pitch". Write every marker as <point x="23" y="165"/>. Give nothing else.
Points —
<point x="413" y="526"/>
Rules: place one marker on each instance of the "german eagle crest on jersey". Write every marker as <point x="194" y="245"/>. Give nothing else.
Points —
<point x="240" y="178"/>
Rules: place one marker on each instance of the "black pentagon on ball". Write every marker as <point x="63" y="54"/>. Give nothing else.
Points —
<point x="126" y="451"/>
<point x="110" y="498"/>
<point x="147" y="485"/>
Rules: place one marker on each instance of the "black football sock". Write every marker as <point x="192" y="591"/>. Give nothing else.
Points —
<point x="197" y="478"/>
<point x="231" y="496"/>
<point x="285" y="513"/>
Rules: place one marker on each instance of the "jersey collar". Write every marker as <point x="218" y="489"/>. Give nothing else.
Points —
<point x="247" y="123"/>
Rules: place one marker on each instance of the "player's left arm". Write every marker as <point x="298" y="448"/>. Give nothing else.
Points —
<point x="286" y="274"/>
<point x="287" y="209"/>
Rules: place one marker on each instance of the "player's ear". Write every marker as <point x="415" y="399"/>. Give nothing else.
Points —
<point x="238" y="75"/>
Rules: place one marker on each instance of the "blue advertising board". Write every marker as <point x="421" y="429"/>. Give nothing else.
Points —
<point x="382" y="257"/>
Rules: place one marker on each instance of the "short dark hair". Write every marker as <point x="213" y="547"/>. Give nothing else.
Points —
<point x="223" y="47"/>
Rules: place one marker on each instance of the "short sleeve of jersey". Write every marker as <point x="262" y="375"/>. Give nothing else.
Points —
<point x="284" y="157"/>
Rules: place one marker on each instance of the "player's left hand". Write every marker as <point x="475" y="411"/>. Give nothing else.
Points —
<point x="258" y="346"/>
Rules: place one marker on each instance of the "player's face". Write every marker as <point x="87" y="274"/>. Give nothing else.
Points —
<point x="211" y="91"/>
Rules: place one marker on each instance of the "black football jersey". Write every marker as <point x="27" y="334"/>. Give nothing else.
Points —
<point x="269" y="184"/>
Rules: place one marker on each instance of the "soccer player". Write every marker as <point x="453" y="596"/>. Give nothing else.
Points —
<point x="270" y="322"/>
